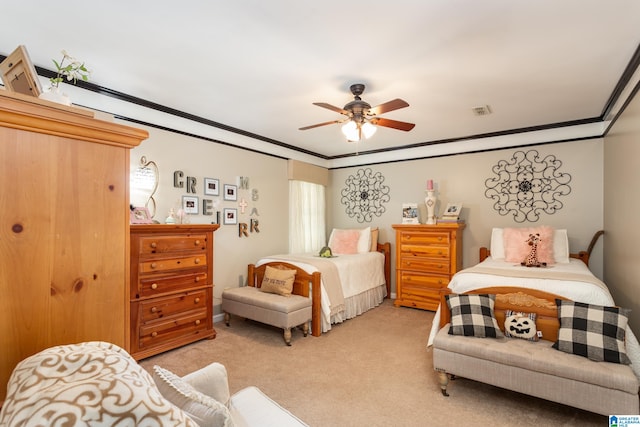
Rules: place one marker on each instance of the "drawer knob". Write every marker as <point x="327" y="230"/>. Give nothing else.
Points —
<point x="197" y="242"/>
<point x="154" y="309"/>
<point x="197" y="279"/>
<point x="154" y="286"/>
<point x="154" y="265"/>
<point x="198" y="322"/>
<point x="197" y="300"/>
<point x="196" y="261"/>
<point x="154" y="334"/>
<point x="440" y="238"/>
<point x="154" y="245"/>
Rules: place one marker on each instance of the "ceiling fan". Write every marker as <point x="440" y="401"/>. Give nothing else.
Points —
<point x="362" y="119"/>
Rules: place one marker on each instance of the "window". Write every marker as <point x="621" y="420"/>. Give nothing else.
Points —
<point x="306" y="217"/>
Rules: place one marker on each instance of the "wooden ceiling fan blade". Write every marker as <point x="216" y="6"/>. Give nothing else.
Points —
<point x="395" y="104"/>
<point x="332" y="108"/>
<point x="320" y="124"/>
<point x="394" y="124"/>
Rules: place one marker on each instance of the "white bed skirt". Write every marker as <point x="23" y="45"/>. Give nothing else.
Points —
<point x="356" y="305"/>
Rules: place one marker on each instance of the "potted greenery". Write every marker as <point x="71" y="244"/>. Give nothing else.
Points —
<point x="68" y="69"/>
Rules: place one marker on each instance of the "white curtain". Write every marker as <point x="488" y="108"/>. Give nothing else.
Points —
<point x="306" y="217"/>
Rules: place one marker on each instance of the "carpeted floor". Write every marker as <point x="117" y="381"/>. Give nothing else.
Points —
<point x="374" y="370"/>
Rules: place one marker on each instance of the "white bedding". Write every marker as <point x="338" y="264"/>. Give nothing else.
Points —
<point x="581" y="286"/>
<point x="362" y="280"/>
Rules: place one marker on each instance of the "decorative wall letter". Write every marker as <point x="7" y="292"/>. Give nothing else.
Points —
<point x="242" y="230"/>
<point x="177" y="179"/>
<point x="207" y="207"/>
<point x="191" y="184"/>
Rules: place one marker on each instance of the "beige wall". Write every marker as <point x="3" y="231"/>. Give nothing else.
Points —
<point x="622" y="204"/>
<point x="457" y="178"/>
<point x="202" y="159"/>
<point x="462" y="178"/>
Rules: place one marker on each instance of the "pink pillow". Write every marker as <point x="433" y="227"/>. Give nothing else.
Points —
<point x="516" y="248"/>
<point x="344" y="241"/>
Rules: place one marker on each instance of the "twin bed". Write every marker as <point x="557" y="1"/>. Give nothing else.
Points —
<point x="568" y="276"/>
<point x="354" y="280"/>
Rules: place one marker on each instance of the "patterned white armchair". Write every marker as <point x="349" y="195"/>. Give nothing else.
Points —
<point x="100" y="384"/>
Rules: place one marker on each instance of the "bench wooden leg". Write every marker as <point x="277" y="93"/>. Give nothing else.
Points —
<point x="227" y="317"/>
<point x="287" y="336"/>
<point x="305" y="328"/>
<point x="443" y="379"/>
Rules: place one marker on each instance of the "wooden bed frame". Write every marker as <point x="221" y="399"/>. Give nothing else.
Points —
<point x="303" y="279"/>
<point x="582" y="255"/>
<point x="517" y="299"/>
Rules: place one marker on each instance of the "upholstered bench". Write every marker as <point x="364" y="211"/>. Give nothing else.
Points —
<point x="533" y="368"/>
<point x="283" y="310"/>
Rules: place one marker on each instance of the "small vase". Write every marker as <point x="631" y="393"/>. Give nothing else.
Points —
<point x="430" y="202"/>
<point x="55" y="95"/>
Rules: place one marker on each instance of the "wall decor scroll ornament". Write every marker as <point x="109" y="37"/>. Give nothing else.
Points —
<point x="364" y="195"/>
<point x="527" y="186"/>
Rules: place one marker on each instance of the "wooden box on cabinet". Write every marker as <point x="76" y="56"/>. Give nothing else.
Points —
<point x="171" y="286"/>
<point x="427" y="256"/>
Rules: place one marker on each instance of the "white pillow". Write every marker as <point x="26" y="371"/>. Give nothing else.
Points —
<point x="364" y="239"/>
<point x="211" y="380"/>
<point x="203" y="409"/>
<point x="560" y="245"/>
<point x="497" y="243"/>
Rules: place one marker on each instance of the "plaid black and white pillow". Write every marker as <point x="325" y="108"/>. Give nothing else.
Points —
<point x="593" y="331"/>
<point x="472" y="315"/>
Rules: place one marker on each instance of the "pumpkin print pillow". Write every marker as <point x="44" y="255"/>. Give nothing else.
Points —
<point x="520" y="325"/>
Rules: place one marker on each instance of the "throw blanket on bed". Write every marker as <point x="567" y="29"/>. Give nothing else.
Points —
<point x="538" y="273"/>
<point x="329" y="275"/>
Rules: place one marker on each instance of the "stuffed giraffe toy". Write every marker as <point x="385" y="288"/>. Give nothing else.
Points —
<point x="532" y="259"/>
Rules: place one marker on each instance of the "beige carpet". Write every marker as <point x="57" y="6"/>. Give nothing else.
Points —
<point x="374" y="370"/>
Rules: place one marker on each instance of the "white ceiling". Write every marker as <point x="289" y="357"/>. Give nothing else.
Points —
<point x="258" y="66"/>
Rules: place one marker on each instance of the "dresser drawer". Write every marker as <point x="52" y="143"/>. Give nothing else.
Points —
<point x="172" y="244"/>
<point x="419" y="280"/>
<point x="158" y="308"/>
<point x="427" y="265"/>
<point x="170" y="264"/>
<point x="407" y="250"/>
<point x="420" y="298"/>
<point x="422" y="238"/>
<point x="177" y="327"/>
<point x="156" y="285"/>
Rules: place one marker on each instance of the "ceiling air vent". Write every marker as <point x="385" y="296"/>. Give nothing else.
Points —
<point x="483" y="110"/>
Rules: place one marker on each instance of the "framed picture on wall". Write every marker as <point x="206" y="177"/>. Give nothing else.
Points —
<point x="190" y="204"/>
<point x="211" y="187"/>
<point x="230" y="192"/>
<point x="230" y="216"/>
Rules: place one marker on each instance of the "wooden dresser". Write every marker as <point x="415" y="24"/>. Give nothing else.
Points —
<point x="427" y="256"/>
<point x="171" y="286"/>
<point x="64" y="228"/>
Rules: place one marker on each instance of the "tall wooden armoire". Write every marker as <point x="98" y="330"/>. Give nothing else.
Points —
<point x="64" y="228"/>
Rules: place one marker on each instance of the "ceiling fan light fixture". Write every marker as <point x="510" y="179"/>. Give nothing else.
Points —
<point x="368" y="130"/>
<point x="355" y="132"/>
<point x="351" y="131"/>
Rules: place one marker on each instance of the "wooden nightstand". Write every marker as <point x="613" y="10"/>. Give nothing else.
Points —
<point x="427" y="256"/>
